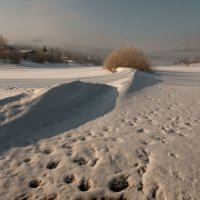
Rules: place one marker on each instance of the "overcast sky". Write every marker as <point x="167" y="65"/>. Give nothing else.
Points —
<point x="149" y="24"/>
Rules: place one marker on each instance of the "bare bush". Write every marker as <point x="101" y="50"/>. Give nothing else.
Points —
<point x="127" y="57"/>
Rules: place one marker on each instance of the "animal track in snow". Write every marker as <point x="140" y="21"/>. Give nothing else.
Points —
<point x="85" y="185"/>
<point x="50" y="197"/>
<point x="146" y="142"/>
<point x="117" y="139"/>
<point x="131" y="123"/>
<point x="183" y="134"/>
<point x="173" y="155"/>
<point x="186" y="196"/>
<point x="141" y="130"/>
<point x="81" y="161"/>
<point x="142" y="170"/>
<point x="69" y="179"/>
<point x="94" y="162"/>
<point x="157" y="138"/>
<point x="148" y="97"/>
<point x="188" y="124"/>
<point x="27" y="160"/>
<point x="153" y="192"/>
<point x="84" y="138"/>
<point x="34" y="183"/>
<point x="136" y="119"/>
<point x="24" y="196"/>
<point x="46" y="151"/>
<point x="119" y="183"/>
<point x="139" y="186"/>
<point x="53" y="165"/>
<point x="67" y="146"/>
<point x="143" y="155"/>
<point x="146" y="117"/>
<point x="86" y="156"/>
<point x="168" y="129"/>
<point x="108" y="128"/>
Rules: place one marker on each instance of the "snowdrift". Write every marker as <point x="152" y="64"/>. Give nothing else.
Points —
<point x="26" y="119"/>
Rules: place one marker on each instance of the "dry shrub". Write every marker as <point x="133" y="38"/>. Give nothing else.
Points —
<point x="128" y="57"/>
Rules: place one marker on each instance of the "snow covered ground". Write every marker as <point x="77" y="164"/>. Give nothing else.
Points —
<point x="84" y="133"/>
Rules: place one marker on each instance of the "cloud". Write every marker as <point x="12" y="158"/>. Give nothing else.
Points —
<point x="88" y="23"/>
<point x="39" y="19"/>
<point x="58" y="23"/>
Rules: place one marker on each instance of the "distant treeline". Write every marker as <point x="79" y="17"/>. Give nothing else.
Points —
<point x="186" y="61"/>
<point x="15" y="54"/>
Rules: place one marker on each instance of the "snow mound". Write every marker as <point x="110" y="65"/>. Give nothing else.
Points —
<point x="28" y="118"/>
